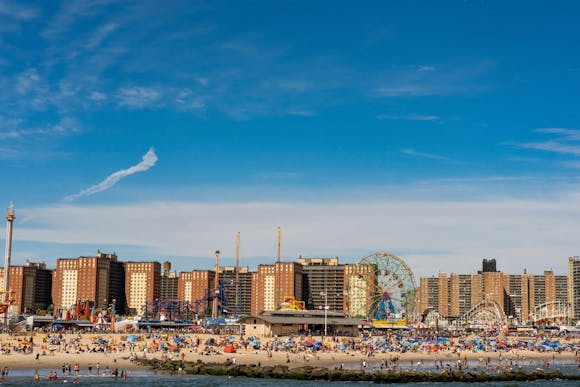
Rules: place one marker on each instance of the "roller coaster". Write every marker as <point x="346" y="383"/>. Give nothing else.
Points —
<point x="551" y="313"/>
<point x="485" y="314"/>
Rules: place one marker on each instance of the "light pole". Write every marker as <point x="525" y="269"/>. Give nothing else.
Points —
<point x="325" y="295"/>
<point x="214" y="312"/>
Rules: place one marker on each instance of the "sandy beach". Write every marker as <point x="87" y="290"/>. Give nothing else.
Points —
<point x="110" y="351"/>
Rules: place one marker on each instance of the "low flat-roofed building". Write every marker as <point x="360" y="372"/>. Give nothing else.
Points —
<point x="289" y="322"/>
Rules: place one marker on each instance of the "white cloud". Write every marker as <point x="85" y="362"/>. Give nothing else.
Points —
<point x="409" y="117"/>
<point x="149" y="160"/>
<point x="553" y="146"/>
<point x="65" y="127"/>
<point x="279" y="176"/>
<point x="27" y="81"/>
<point x="431" y="236"/>
<point x="16" y="11"/>
<point x="567" y="141"/>
<point x="100" y="35"/>
<point x="138" y="97"/>
<point x="98" y="96"/>
<point x="427" y="68"/>
<point x="301" y="112"/>
<point x="412" y="152"/>
<point x="197" y="105"/>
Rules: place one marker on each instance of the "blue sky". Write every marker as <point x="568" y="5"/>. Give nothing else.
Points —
<point x="443" y="132"/>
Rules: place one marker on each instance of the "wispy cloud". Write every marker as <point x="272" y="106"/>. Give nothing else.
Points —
<point x="100" y="35"/>
<point x="571" y="164"/>
<point x="567" y="134"/>
<point x="567" y="141"/>
<point x="301" y="112"/>
<point x="554" y="146"/>
<point x="26" y="81"/>
<point x="412" y="152"/>
<point x="409" y="117"/>
<point x="17" y="11"/>
<point x="426" y="68"/>
<point x="66" y="126"/>
<point x="148" y="161"/>
<point x="520" y="233"/>
<point x="279" y="176"/>
<point x="419" y="81"/>
<point x="98" y="96"/>
<point x="73" y="12"/>
<point x="484" y="179"/>
<point x="138" y="97"/>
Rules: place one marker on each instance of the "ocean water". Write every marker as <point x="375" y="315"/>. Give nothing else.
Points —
<point x="151" y="379"/>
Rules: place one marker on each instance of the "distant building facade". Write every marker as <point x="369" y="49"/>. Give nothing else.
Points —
<point x="99" y="279"/>
<point x="169" y="286"/>
<point x="236" y="290"/>
<point x="323" y="283"/>
<point x="142" y="284"/>
<point x="197" y="288"/>
<point x="574" y="286"/>
<point x="274" y="282"/>
<point x="31" y="285"/>
<point x="518" y="295"/>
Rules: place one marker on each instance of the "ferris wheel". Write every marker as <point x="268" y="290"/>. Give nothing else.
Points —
<point x="382" y="287"/>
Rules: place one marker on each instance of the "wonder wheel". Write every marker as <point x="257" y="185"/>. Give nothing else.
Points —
<point x="381" y="288"/>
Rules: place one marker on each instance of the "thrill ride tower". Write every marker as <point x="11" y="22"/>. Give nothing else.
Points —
<point x="6" y="301"/>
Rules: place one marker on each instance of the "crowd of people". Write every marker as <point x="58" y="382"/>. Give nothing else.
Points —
<point x="371" y="351"/>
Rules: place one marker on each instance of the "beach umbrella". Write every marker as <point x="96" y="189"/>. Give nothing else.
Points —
<point x="131" y="338"/>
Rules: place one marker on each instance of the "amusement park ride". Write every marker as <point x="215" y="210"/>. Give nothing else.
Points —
<point x="383" y="291"/>
<point x="6" y="300"/>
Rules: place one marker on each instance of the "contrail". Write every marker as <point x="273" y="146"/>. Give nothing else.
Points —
<point x="149" y="160"/>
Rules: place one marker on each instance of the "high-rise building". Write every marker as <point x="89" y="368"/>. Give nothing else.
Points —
<point x="459" y="294"/>
<point x="443" y="296"/>
<point x="489" y="266"/>
<point x="360" y="282"/>
<point x="142" y="284"/>
<point x="31" y="286"/>
<point x="476" y="289"/>
<point x="99" y="279"/>
<point x="169" y="283"/>
<point x="197" y="288"/>
<point x="574" y="286"/>
<point x="276" y="282"/>
<point x="323" y="283"/>
<point x="493" y="287"/>
<point x="513" y="296"/>
<point x="517" y="295"/>
<point x="236" y="294"/>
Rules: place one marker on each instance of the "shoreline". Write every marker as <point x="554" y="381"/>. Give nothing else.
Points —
<point x="310" y="372"/>
<point x="118" y="352"/>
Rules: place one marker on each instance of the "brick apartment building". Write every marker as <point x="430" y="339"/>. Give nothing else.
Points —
<point x="99" y="279"/>
<point x="31" y="286"/>
<point x="142" y="284"/>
